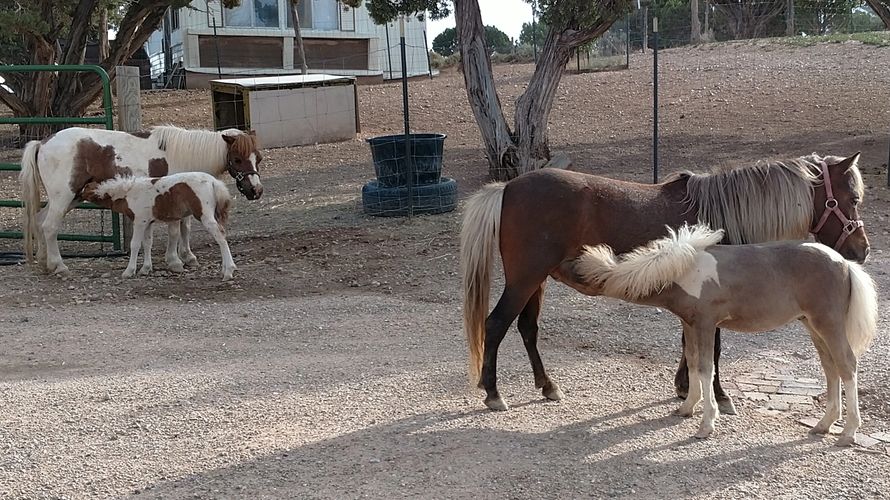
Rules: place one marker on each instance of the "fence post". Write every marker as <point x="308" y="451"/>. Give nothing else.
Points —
<point x="655" y="100"/>
<point x="129" y="117"/>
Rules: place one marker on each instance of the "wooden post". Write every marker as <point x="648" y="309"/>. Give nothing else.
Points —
<point x="129" y="116"/>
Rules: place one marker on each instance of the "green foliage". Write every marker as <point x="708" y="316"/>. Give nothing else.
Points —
<point x="496" y="40"/>
<point x="385" y="11"/>
<point x="445" y="42"/>
<point x="527" y="34"/>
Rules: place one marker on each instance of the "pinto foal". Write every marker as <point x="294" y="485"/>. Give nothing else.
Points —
<point x="168" y="199"/>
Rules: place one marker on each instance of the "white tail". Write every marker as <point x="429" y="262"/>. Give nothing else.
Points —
<point x="648" y="269"/>
<point x="479" y="237"/>
<point x="29" y="178"/>
<point x="862" y="310"/>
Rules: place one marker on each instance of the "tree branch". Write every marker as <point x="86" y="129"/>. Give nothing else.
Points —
<point x="18" y="106"/>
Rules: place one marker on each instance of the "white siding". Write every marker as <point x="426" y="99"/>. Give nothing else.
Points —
<point x="354" y="24"/>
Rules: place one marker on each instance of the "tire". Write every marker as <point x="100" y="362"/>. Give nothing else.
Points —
<point x="393" y="201"/>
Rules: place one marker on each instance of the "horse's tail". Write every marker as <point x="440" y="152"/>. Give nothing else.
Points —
<point x="648" y="269"/>
<point x="479" y="237"/>
<point x="862" y="310"/>
<point x="29" y="178"/>
<point x="223" y="201"/>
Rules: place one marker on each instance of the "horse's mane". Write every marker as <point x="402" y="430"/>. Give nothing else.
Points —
<point x="757" y="203"/>
<point x="116" y="187"/>
<point x="191" y="150"/>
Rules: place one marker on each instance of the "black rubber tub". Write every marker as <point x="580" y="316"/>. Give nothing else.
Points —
<point x="388" y="154"/>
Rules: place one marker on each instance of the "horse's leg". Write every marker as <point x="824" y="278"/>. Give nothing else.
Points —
<point x="185" y="249"/>
<point x="56" y="208"/>
<point x="704" y="336"/>
<point x="41" y="240"/>
<point x="511" y="303"/>
<point x="135" y="245"/>
<point x="146" y="251"/>
<point x="829" y="326"/>
<point x="833" y="405"/>
<point x="228" y="264"/>
<point x="171" y="256"/>
<point x="681" y="378"/>
<point x="528" y="328"/>
<point x="723" y="400"/>
<point x="691" y="351"/>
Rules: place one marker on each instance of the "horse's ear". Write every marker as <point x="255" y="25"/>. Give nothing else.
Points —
<point x="251" y="132"/>
<point x="229" y="139"/>
<point x="850" y="162"/>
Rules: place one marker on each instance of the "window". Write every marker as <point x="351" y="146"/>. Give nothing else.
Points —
<point x="253" y="14"/>
<point x="304" y="10"/>
<point x="321" y="15"/>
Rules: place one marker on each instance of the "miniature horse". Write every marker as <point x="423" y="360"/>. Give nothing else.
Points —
<point x="168" y="199"/>
<point x="747" y="288"/>
<point x="66" y="161"/>
<point x="540" y="221"/>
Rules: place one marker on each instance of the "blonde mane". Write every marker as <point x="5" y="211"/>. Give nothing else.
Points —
<point x="192" y="150"/>
<point x="754" y="204"/>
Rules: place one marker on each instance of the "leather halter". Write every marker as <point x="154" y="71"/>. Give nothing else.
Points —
<point x="831" y="207"/>
<point x="240" y="175"/>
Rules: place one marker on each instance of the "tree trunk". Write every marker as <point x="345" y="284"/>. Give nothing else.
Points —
<point x="103" y="35"/>
<point x="645" y="26"/>
<point x="882" y="9"/>
<point x="695" y="35"/>
<point x="789" y="19"/>
<point x="512" y="154"/>
<point x="298" y="36"/>
<point x="481" y="92"/>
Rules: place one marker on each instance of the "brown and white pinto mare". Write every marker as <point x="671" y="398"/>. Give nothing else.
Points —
<point x="748" y="288"/>
<point x="66" y="161"/>
<point x="169" y="199"/>
<point x="540" y="222"/>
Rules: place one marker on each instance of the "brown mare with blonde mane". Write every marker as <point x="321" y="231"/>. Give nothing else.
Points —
<point x="541" y="221"/>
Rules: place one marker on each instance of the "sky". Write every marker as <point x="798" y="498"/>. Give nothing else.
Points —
<point x="506" y="15"/>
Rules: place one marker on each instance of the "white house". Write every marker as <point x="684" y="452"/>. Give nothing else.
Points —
<point x="256" y="39"/>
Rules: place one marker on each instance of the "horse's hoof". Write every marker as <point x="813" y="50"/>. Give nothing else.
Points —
<point x="227" y="275"/>
<point x="726" y="407"/>
<point x="496" y="404"/>
<point x="553" y="392"/>
<point x="176" y="268"/>
<point x="128" y="273"/>
<point x="845" y="441"/>
<point x="704" y="432"/>
<point x="62" y="271"/>
<point x="145" y="271"/>
<point x="818" y="431"/>
<point x="190" y="260"/>
<point x="685" y="411"/>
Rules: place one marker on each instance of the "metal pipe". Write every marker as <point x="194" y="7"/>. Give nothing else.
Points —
<point x="655" y="101"/>
<point x="408" y="163"/>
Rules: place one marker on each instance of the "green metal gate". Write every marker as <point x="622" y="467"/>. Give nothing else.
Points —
<point x="107" y="119"/>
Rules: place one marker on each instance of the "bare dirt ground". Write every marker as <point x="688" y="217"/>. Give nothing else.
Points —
<point x="333" y="366"/>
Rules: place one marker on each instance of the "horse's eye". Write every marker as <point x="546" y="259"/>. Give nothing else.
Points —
<point x="238" y="161"/>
